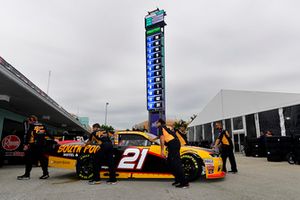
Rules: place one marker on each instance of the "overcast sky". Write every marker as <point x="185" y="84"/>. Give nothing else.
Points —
<point x="95" y="50"/>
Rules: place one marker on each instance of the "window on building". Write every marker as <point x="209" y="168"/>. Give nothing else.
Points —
<point x="216" y="131"/>
<point x="269" y="121"/>
<point x="250" y="126"/>
<point x="228" y="126"/>
<point x="207" y="133"/>
<point x="191" y="132"/>
<point x="292" y="119"/>
<point x="199" y="133"/>
<point x="237" y="123"/>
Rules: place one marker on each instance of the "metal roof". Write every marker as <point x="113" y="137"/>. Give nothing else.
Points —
<point x="26" y="98"/>
<point x="234" y="103"/>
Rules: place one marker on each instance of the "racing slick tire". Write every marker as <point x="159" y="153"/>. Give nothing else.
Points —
<point x="291" y="158"/>
<point x="84" y="167"/>
<point x="191" y="166"/>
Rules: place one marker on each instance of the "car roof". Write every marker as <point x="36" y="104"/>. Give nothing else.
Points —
<point x="134" y="132"/>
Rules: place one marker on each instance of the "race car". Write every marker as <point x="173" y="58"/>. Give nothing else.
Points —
<point x="136" y="156"/>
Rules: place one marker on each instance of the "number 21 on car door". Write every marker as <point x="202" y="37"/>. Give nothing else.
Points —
<point x="133" y="158"/>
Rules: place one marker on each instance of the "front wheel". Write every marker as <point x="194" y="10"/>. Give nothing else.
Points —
<point x="84" y="167"/>
<point x="191" y="167"/>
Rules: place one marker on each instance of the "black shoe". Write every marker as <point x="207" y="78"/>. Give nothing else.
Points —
<point x="111" y="182"/>
<point x="175" y="183"/>
<point x="183" y="186"/>
<point x="45" y="176"/>
<point x="23" y="177"/>
<point x="233" y="171"/>
<point x="93" y="182"/>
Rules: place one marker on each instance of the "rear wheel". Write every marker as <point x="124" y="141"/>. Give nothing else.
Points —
<point x="191" y="167"/>
<point x="84" y="167"/>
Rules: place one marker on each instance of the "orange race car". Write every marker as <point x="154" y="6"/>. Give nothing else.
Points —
<point x="137" y="157"/>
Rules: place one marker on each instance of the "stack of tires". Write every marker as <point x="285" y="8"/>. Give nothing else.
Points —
<point x="297" y="148"/>
<point x="294" y="156"/>
<point x="259" y="148"/>
<point x="278" y="147"/>
<point x="255" y="147"/>
<point x="248" y="147"/>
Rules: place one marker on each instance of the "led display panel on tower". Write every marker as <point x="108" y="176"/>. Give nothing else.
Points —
<point x="155" y="60"/>
<point x="154" y="72"/>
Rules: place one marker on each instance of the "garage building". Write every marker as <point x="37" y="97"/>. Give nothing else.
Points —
<point x="247" y="113"/>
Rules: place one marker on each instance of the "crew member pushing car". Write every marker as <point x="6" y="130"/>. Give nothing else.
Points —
<point x="169" y="139"/>
<point x="35" y="147"/>
<point x="181" y="135"/>
<point x="226" y="148"/>
<point x="101" y="137"/>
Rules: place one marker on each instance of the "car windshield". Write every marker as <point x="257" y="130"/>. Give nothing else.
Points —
<point x="150" y="135"/>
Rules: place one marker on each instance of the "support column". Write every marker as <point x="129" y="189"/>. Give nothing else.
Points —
<point x="256" y="119"/>
<point x="282" y="122"/>
<point x="195" y="133"/>
<point x="212" y="132"/>
<point x="244" y="125"/>
<point x="203" y="134"/>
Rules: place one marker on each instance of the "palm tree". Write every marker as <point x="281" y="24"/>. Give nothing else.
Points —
<point x="180" y="124"/>
<point x="107" y="128"/>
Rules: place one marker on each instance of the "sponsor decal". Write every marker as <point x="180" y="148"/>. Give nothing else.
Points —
<point x="75" y="149"/>
<point x="70" y="155"/>
<point x="11" y="142"/>
<point x="133" y="158"/>
<point x="60" y="162"/>
<point x="208" y="162"/>
<point x="14" y="154"/>
<point x="69" y="149"/>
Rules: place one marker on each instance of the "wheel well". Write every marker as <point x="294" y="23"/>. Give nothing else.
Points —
<point x="197" y="157"/>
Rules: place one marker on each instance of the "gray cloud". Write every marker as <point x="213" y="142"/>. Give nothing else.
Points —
<point x="95" y="50"/>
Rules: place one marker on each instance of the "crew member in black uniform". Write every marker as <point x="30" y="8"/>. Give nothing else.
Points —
<point x="181" y="135"/>
<point x="35" y="147"/>
<point x="226" y="148"/>
<point x="105" y="153"/>
<point x="169" y="139"/>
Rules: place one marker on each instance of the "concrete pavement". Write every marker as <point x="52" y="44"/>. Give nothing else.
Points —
<point x="257" y="179"/>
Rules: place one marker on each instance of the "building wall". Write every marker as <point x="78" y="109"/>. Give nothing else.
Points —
<point x="281" y="121"/>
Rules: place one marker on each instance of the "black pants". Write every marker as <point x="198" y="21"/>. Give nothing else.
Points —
<point x="227" y="152"/>
<point x="104" y="154"/>
<point x="33" y="154"/>
<point x="174" y="161"/>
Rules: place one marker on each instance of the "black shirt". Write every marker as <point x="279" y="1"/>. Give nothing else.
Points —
<point x="99" y="137"/>
<point x="160" y="133"/>
<point x="225" y="139"/>
<point x="36" y="134"/>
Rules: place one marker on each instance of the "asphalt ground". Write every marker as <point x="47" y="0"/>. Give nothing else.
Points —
<point x="256" y="179"/>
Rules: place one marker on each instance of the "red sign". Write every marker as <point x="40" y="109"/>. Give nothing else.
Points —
<point x="11" y="142"/>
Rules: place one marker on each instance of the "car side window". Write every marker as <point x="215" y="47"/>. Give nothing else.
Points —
<point x="133" y="140"/>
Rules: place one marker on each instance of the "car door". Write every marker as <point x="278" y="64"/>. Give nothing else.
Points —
<point x="137" y="154"/>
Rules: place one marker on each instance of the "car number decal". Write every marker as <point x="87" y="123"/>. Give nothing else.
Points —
<point x="133" y="158"/>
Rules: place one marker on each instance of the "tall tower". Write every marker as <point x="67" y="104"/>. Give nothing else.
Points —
<point x="155" y="67"/>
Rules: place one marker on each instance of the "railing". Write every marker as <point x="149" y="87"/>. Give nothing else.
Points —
<point x="25" y="80"/>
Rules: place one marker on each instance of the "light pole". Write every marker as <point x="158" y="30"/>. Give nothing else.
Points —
<point x="48" y="84"/>
<point x="106" y="112"/>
